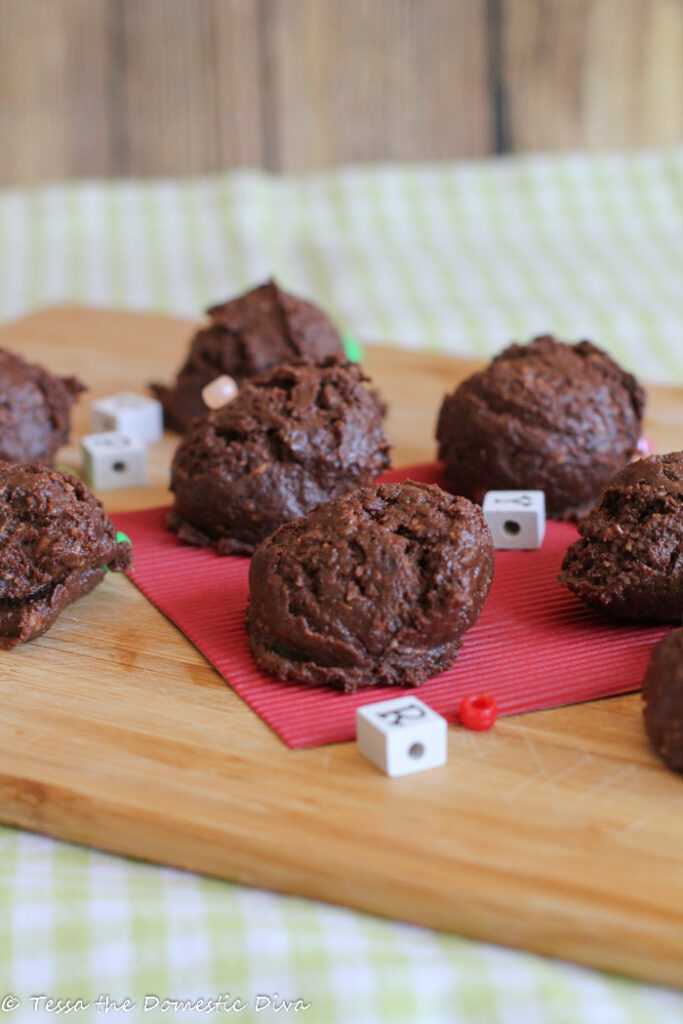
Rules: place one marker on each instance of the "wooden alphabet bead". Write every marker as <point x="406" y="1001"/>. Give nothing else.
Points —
<point x="112" y="460"/>
<point x="219" y="392"/>
<point x="131" y="414"/>
<point x="516" y="519"/>
<point x="401" y="736"/>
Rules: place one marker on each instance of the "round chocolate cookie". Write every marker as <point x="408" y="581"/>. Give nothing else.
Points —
<point x="35" y="410"/>
<point x="56" y="542"/>
<point x="545" y="416"/>
<point x="629" y="561"/>
<point x="374" y="588"/>
<point x="294" y="437"/>
<point x="246" y="336"/>
<point x="663" y="697"/>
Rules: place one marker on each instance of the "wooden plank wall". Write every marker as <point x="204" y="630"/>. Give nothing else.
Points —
<point x="121" y="87"/>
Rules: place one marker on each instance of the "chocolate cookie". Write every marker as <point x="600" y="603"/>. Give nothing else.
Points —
<point x="296" y="436"/>
<point x="246" y="336"/>
<point x="545" y="416"/>
<point x="629" y="562"/>
<point x="375" y="587"/>
<point x="663" y="697"/>
<point x="35" y="410"/>
<point x="56" y="543"/>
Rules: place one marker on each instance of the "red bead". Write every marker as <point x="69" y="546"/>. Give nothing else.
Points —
<point x="478" y="711"/>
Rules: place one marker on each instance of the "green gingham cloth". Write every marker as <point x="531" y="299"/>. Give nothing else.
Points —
<point x="456" y="258"/>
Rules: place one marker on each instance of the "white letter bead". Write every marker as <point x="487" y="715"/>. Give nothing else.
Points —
<point x="401" y="736"/>
<point x="516" y="519"/>
<point x="131" y="414"/>
<point x="219" y="392"/>
<point x="113" y="460"/>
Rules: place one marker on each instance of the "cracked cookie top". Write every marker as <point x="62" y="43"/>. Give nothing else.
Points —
<point x="377" y="586"/>
<point x="545" y="416"/>
<point x="298" y="435"/>
<point x="50" y="526"/>
<point x="629" y="560"/>
<point x="245" y="337"/>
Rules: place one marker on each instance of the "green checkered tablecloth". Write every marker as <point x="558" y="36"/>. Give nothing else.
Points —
<point x="455" y="258"/>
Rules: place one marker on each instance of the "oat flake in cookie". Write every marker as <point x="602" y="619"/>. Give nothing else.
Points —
<point x="629" y="561"/>
<point x="245" y="337"/>
<point x="663" y="697"/>
<point x="374" y="588"/>
<point x="55" y="542"/>
<point x="545" y="416"/>
<point x="35" y="410"/>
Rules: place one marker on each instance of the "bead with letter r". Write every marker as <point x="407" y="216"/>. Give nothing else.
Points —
<point x="408" y="713"/>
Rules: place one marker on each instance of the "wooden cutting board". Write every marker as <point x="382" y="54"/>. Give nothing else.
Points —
<point x="558" y="832"/>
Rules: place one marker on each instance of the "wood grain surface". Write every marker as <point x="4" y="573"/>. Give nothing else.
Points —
<point x="558" y="832"/>
<point x="590" y="74"/>
<point x="366" y="81"/>
<point x="166" y="87"/>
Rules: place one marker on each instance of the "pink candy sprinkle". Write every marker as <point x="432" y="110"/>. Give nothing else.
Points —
<point x="219" y="392"/>
<point x="645" y="447"/>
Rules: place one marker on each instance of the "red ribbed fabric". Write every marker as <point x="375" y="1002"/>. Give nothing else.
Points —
<point x="535" y="646"/>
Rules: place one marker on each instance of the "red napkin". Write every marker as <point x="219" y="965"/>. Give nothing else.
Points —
<point x="535" y="645"/>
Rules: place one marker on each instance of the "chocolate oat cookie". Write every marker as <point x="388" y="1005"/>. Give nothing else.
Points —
<point x="246" y="336"/>
<point x="294" y="437"/>
<point x="629" y="561"/>
<point x="374" y="588"/>
<point x="56" y="543"/>
<point x="35" y="410"/>
<point x="545" y="416"/>
<point x="663" y="699"/>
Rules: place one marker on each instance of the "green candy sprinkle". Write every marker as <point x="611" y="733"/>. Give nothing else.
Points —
<point x="353" y="348"/>
<point x="121" y="538"/>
